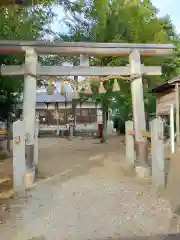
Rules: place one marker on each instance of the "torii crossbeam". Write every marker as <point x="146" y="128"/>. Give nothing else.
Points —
<point x="85" y="48"/>
<point x="76" y="71"/>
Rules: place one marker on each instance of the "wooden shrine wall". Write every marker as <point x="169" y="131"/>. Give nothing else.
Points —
<point x="163" y="101"/>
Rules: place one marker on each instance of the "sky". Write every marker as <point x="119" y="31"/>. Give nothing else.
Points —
<point x="171" y="7"/>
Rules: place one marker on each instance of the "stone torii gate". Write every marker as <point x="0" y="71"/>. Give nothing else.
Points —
<point x="31" y="70"/>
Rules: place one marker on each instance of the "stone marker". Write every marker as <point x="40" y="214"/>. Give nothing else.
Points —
<point x="157" y="151"/>
<point x="129" y="140"/>
<point x="19" y="165"/>
<point x="110" y="127"/>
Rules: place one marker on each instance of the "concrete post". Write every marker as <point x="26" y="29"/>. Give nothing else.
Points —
<point x="138" y="114"/>
<point x="157" y="152"/>
<point x="36" y="145"/>
<point x="129" y="141"/>
<point x="29" y="106"/>
<point x="19" y="166"/>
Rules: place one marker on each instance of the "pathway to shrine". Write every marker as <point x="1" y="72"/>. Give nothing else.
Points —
<point x="90" y="196"/>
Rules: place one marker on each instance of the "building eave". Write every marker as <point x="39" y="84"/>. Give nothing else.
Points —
<point x="168" y="85"/>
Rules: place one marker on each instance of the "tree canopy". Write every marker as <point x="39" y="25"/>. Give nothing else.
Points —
<point x="124" y="22"/>
<point x="19" y="24"/>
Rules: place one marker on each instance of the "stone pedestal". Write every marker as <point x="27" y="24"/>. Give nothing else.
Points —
<point x="142" y="168"/>
<point x="29" y="177"/>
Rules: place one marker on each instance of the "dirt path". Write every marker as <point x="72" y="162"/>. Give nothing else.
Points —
<point x="90" y="197"/>
<point x="60" y="155"/>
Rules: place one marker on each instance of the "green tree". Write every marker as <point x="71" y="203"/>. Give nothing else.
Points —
<point x="125" y="22"/>
<point x="30" y="21"/>
<point x="28" y="3"/>
<point x="19" y="24"/>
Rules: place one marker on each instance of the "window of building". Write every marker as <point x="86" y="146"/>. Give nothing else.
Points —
<point x="42" y="113"/>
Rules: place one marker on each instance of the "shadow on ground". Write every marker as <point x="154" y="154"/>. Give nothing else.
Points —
<point x="157" y="237"/>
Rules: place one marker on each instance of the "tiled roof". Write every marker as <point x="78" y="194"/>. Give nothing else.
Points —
<point x="42" y="97"/>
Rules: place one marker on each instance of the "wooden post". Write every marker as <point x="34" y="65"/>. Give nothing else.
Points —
<point x="138" y="114"/>
<point x="177" y="115"/>
<point x="157" y="152"/>
<point x="29" y="106"/>
<point x="172" y="128"/>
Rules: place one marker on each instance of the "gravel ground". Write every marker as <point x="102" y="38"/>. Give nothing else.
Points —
<point x="95" y="202"/>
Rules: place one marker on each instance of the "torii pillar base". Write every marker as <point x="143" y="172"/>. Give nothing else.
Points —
<point x="142" y="169"/>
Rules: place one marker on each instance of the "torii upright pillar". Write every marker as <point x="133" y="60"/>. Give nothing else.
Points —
<point x="84" y="61"/>
<point x="142" y="169"/>
<point x="29" y="108"/>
